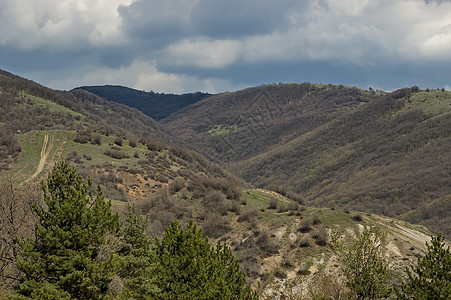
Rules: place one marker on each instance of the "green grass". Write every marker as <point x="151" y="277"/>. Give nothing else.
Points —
<point x="96" y="152"/>
<point x="433" y="102"/>
<point x="52" y="106"/>
<point x="31" y="142"/>
<point x="218" y="129"/>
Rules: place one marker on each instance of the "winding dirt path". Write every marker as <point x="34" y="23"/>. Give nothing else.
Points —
<point x="47" y="146"/>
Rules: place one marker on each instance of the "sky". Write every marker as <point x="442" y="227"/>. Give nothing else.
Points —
<point x="180" y="46"/>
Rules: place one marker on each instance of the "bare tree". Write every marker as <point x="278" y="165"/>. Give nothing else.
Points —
<point x="16" y="223"/>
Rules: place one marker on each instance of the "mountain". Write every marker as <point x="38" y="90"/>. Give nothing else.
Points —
<point x="282" y="245"/>
<point x="132" y="156"/>
<point x="155" y="105"/>
<point x="385" y="153"/>
<point x="236" y="126"/>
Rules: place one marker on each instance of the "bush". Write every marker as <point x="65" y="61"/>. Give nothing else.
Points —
<point x="118" y="141"/>
<point x="293" y="206"/>
<point x="273" y="203"/>
<point x="357" y="218"/>
<point x="265" y="243"/>
<point x="82" y="137"/>
<point x="96" y="139"/>
<point x="116" y="154"/>
<point x="282" y="208"/>
<point x="320" y="236"/>
<point x="305" y="241"/>
<point x="306" y="225"/>
<point x="248" y="215"/>
<point x="133" y="143"/>
<point x="316" y="220"/>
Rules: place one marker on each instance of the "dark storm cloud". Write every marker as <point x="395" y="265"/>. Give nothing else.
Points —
<point x="215" y="45"/>
<point x="237" y="18"/>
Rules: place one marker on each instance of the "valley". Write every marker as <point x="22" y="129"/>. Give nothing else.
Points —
<point x="282" y="174"/>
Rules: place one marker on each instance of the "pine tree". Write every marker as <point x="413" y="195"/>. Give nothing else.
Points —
<point x="188" y="267"/>
<point x="137" y="269"/>
<point x="68" y="258"/>
<point x="431" y="277"/>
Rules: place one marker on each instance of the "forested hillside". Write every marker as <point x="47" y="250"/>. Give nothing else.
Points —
<point x="337" y="146"/>
<point x="165" y="193"/>
<point x="235" y="126"/>
<point x="155" y="105"/>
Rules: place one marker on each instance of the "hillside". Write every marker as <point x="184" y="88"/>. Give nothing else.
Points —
<point x="337" y="146"/>
<point x="283" y="246"/>
<point x="155" y="105"/>
<point x="131" y="155"/>
<point x="235" y="126"/>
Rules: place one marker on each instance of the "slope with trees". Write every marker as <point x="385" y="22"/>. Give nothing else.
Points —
<point x="381" y="153"/>
<point x="231" y="127"/>
<point x="155" y="105"/>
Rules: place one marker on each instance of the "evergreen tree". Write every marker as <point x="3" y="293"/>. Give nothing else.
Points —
<point x="431" y="277"/>
<point x="365" y="269"/>
<point x="188" y="267"/>
<point x="69" y="257"/>
<point x="138" y="267"/>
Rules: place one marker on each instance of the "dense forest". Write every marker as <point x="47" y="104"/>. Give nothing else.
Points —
<point x="155" y="105"/>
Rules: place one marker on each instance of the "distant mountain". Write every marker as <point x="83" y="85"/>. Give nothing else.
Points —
<point x="155" y="105"/>
<point x="337" y="146"/>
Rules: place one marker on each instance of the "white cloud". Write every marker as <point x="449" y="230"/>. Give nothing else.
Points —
<point x="186" y="36"/>
<point x="59" y="25"/>
<point x="202" y="53"/>
<point x="142" y="75"/>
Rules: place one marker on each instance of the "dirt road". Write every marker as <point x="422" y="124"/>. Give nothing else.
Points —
<point x="47" y="146"/>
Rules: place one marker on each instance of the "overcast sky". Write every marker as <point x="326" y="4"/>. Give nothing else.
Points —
<point x="182" y="46"/>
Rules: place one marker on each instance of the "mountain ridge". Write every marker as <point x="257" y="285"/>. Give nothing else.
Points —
<point x="155" y="105"/>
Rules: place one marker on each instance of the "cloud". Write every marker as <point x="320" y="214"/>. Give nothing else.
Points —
<point x="142" y="75"/>
<point x="237" y="18"/>
<point x="155" y="21"/>
<point x="59" y="25"/>
<point x="196" y="44"/>
<point x="202" y="53"/>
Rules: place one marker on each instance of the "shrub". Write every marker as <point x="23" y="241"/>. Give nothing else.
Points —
<point x="305" y="241"/>
<point x="248" y="215"/>
<point x="293" y="206"/>
<point x="116" y="154"/>
<point x="306" y="225"/>
<point x="96" y="139"/>
<point x="132" y="142"/>
<point x="265" y="243"/>
<point x="320" y="236"/>
<point x="282" y="208"/>
<point x="273" y="203"/>
<point x="82" y="137"/>
<point x="316" y="220"/>
<point x="357" y="218"/>
<point x="118" y="141"/>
